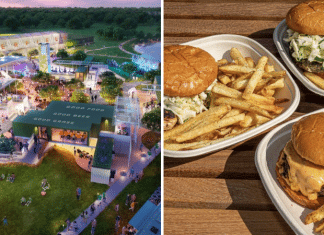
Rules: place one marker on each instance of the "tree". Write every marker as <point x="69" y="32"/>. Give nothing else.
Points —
<point x="7" y="145"/>
<point x="109" y="79"/>
<point x="45" y="24"/>
<point x="33" y="52"/>
<point x="15" y="53"/>
<point x="74" y="23"/>
<point x="129" y="24"/>
<point x="74" y="84"/>
<point x="13" y="87"/>
<point x="61" y="22"/>
<point x="119" y="18"/>
<point x="42" y="77"/>
<point x="110" y="92"/>
<point x="119" y="33"/>
<point x="100" y="32"/>
<point x="140" y="34"/>
<point x="79" y="55"/>
<point x="87" y="23"/>
<point x="152" y="120"/>
<point x="79" y="97"/>
<point x="129" y="68"/>
<point x="51" y="92"/>
<point x="12" y="23"/>
<point x="62" y="54"/>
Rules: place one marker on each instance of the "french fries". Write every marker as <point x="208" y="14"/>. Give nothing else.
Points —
<point x="213" y="126"/>
<point x="317" y="80"/>
<point x="242" y="99"/>
<point x="316" y="216"/>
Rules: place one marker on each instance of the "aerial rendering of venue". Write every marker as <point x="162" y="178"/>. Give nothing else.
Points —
<point x="80" y="121"/>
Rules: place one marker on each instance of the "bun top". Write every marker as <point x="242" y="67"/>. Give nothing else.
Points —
<point x="188" y="70"/>
<point x="307" y="18"/>
<point x="307" y="137"/>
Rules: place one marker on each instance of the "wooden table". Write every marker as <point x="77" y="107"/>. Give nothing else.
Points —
<point x="221" y="193"/>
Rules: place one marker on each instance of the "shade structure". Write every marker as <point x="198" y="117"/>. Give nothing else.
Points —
<point x="148" y="219"/>
<point x="68" y="115"/>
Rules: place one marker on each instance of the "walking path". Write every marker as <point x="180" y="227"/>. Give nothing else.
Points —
<point x="98" y="49"/>
<point x="111" y="194"/>
<point x="122" y="49"/>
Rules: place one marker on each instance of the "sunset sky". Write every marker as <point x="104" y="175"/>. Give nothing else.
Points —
<point x="80" y="3"/>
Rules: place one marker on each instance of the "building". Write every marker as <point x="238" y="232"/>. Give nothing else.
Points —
<point x="66" y="122"/>
<point x="44" y="57"/>
<point x="147" y="221"/>
<point x="25" y="69"/>
<point x="22" y="43"/>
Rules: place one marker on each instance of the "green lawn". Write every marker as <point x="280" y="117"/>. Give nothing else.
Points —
<point x="143" y="190"/>
<point x="45" y="215"/>
<point x="114" y="51"/>
<point x="130" y="47"/>
<point x="104" y="59"/>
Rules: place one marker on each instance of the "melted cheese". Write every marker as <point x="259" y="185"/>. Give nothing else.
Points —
<point x="303" y="175"/>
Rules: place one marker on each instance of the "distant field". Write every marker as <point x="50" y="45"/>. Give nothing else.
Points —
<point x="98" y="41"/>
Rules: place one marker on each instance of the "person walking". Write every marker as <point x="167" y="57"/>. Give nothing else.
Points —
<point x="131" y="174"/>
<point x="118" y="222"/>
<point x="35" y="139"/>
<point x="90" y="90"/>
<point x="95" y="97"/>
<point x="124" y="229"/>
<point x="133" y="198"/>
<point x="92" y="208"/>
<point x="85" y="217"/>
<point x="44" y="182"/>
<point x="117" y="208"/>
<point x="93" y="226"/>
<point x="132" y="206"/>
<point x="68" y="223"/>
<point x="78" y="193"/>
<point x="5" y="221"/>
<point x="74" y="151"/>
<point x="92" y="98"/>
<point x="89" y="163"/>
<point x="127" y="199"/>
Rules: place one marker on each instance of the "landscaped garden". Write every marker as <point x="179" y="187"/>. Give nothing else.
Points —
<point x="143" y="189"/>
<point x="46" y="214"/>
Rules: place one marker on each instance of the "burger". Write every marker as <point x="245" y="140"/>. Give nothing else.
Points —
<point x="305" y="35"/>
<point x="300" y="167"/>
<point x="189" y="75"/>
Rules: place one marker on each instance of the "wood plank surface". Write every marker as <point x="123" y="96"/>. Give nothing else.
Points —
<point x="225" y="164"/>
<point x="209" y="193"/>
<point x="204" y="28"/>
<point x="207" y="221"/>
<point x="275" y="11"/>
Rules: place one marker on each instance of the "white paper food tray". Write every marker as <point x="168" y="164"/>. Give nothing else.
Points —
<point x="283" y="47"/>
<point x="219" y="47"/>
<point x="266" y="156"/>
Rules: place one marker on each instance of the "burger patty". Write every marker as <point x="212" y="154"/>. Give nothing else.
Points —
<point x="314" y="67"/>
<point x="170" y="120"/>
<point x="308" y="66"/>
<point x="285" y="166"/>
<point x="286" y="169"/>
